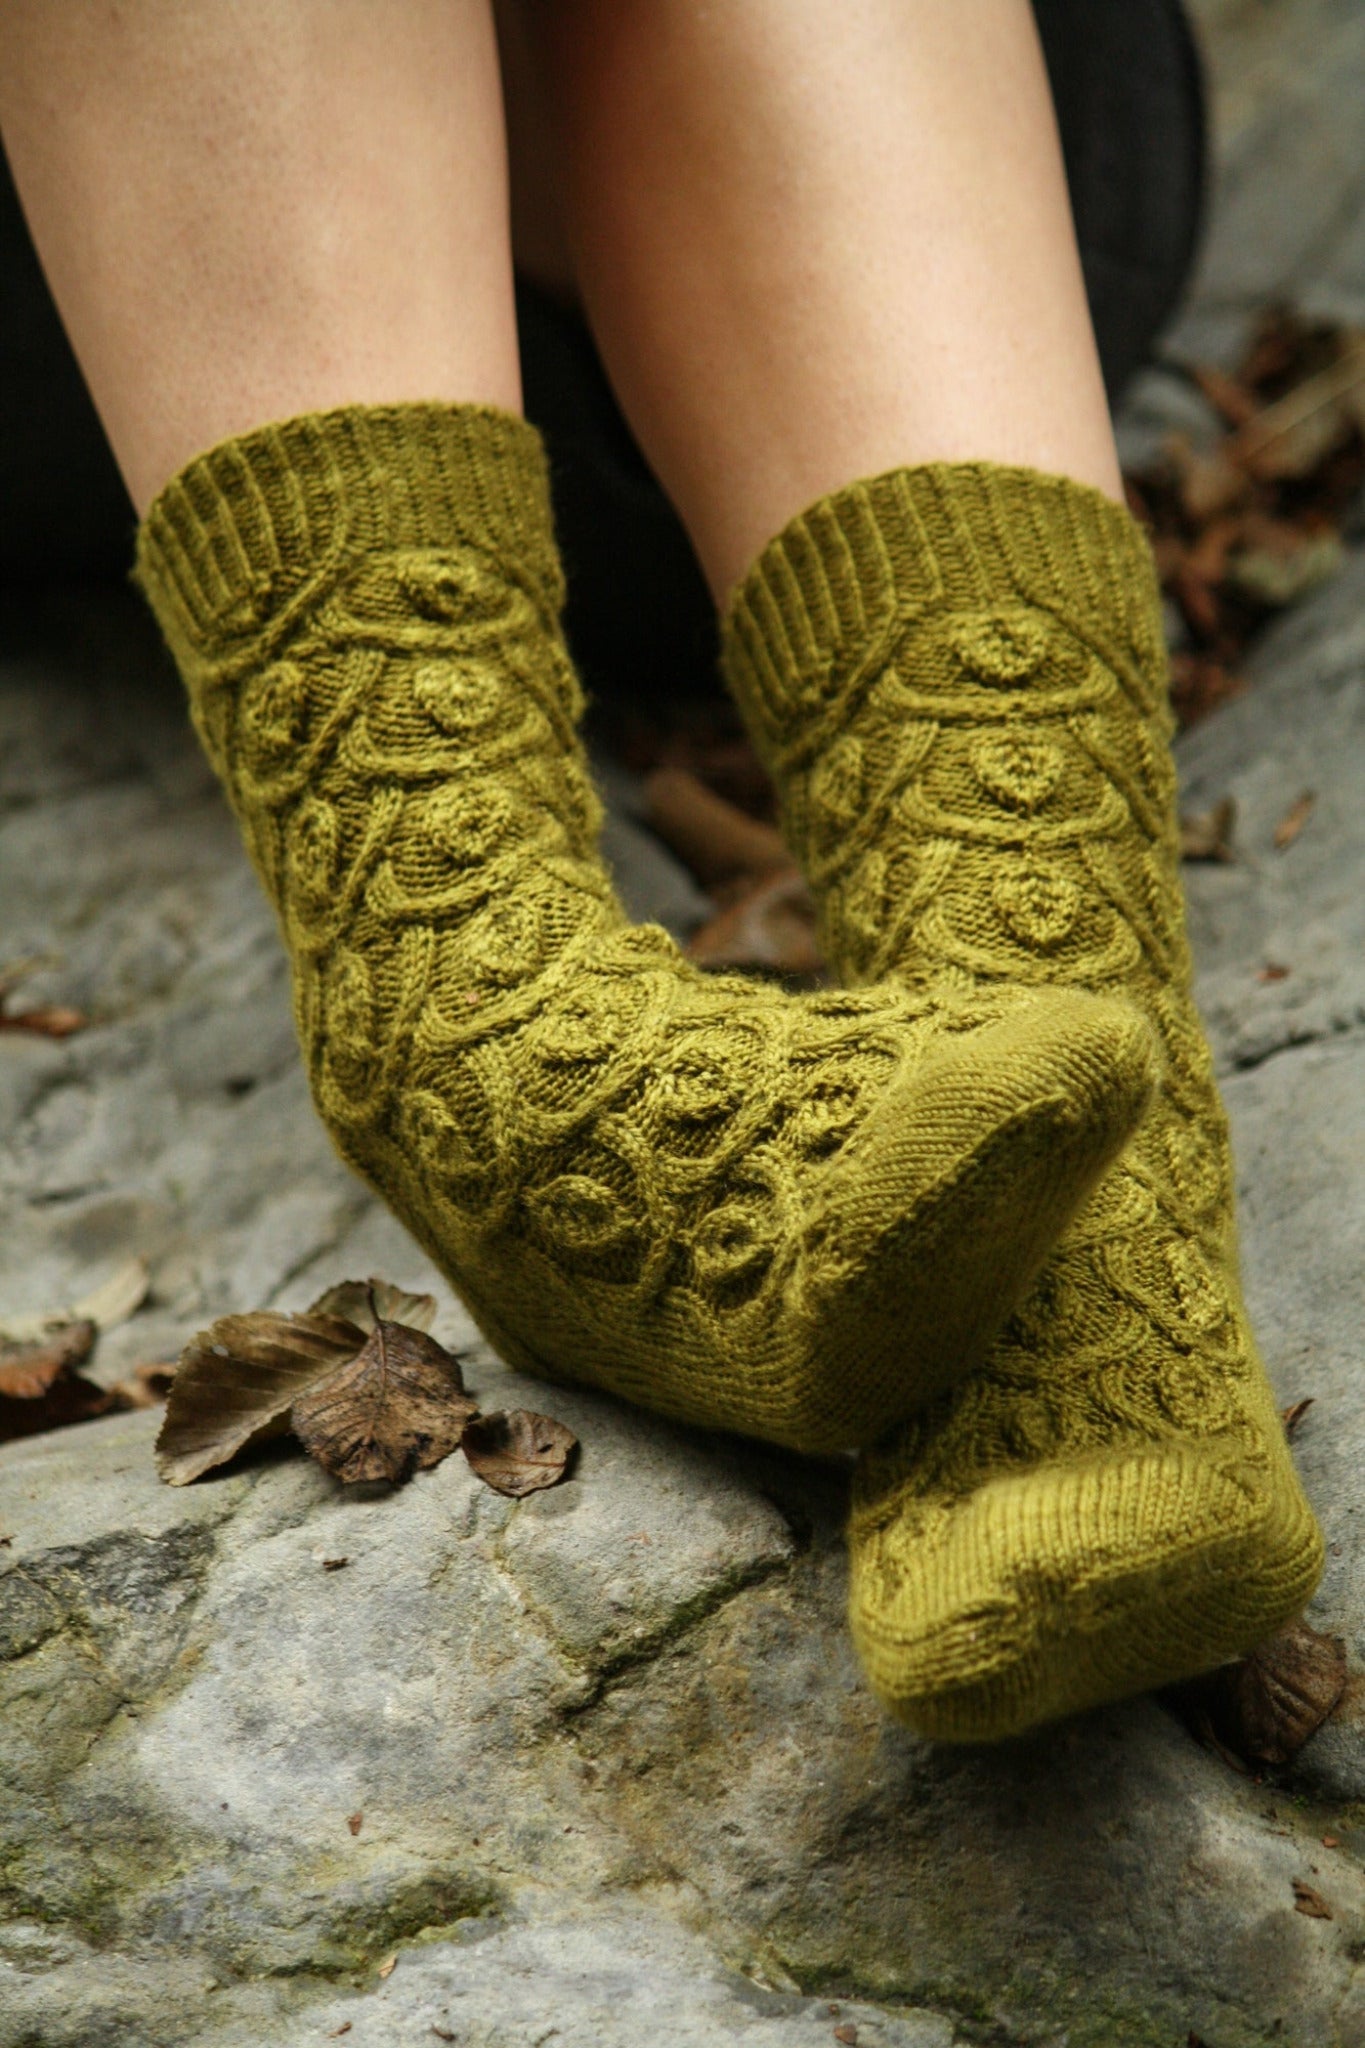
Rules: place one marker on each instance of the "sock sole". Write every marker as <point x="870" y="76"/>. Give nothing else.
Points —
<point x="989" y="1149"/>
<point x="1057" y="1591"/>
<point x="1030" y="1113"/>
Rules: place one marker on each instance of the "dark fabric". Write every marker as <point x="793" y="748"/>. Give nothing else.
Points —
<point x="1129" y="95"/>
<point x="1130" y="109"/>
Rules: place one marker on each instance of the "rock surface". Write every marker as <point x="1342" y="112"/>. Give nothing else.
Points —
<point x="617" y="1778"/>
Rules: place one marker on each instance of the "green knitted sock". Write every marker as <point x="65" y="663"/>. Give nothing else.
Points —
<point x="957" y="676"/>
<point x="788" y="1216"/>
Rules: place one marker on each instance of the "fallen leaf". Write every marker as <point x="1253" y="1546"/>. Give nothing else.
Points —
<point x="146" y="1386"/>
<point x="1207" y="484"/>
<point x="238" y="1380"/>
<point x="15" y="971"/>
<point x="398" y="1403"/>
<point x="48" y="1020"/>
<point x="847" y="2033"/>
<point x="70" y="1399"/>
<point x="1293" y="1415"/>
<point x="1294" y="820"/>
<point x="1264" y="1707"/>
<point x="333" y="1564"/>
<point x="337" y="2032"/>
<point x="28" y="1370"/>
<point x="1277" y="579"/>
<point x="1311" y="1902"/>
<point x="388" y="1966"/>
<point x="516" y="1451"/>
<point x="1331" y="1841"/>
<point x="769" y="928"/>
<point x="1207" y="835"/>
<point x="1273" y="971"/>
<point x="368" y="1302"/>
<point x="1292" y="436"/>
<point x="715" y="839"/>
<point x="1227" y="395"/>
<point x="109" y="1304"/>
<point x="1200" y="684"/>
<point x="355" y="1821"/>
<point x="441" y="2033"/>
<point x="1253" y="522"/>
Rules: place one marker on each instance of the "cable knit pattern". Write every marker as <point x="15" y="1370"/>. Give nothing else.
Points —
<point x="790" y="1216"/>
<point x="956" y="675"/>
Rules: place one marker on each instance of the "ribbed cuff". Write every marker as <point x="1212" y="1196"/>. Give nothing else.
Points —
<point x="242" y="528"/>
<point x="840" y="580"/>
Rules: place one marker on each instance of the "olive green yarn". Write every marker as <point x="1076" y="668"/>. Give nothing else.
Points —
<point x="956" y="674"/>
<point x="791" y="1216"/>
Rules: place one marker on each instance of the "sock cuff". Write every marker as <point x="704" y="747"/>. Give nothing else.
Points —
<point x="837" y="585"/>
<point x="266" y="518"/>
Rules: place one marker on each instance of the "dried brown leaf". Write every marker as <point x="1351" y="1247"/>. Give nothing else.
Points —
<point x="1207" y="835"/>
<point x="1294" y="820"/>
<point x="112" y="1302"/>
<point x="28" y="1370"/>
<point x="847" y="2034"/>
<point x="355" y="1822"/>
<point x="69" y="1399"/>
<point x="1277" y="577"/>
<point x="1274" y="970"/>
<point x="715" y="839"/>
<point x="367" y="1302"/>
<point x="1264" y="1707"/>
<point x="388" y="1966"/>
<point x="238" y="1380"/>
<point x="1292" y="437"/>
<point x="146" y="1386"/>
<point x="516" y="1451"/>
<point x="1200" y="684"/>
<point x="1293" y="1415"/>
<point x="47" y="1020"/>
<point x="1208" y="485"/>
<point x="1311" y="1902"/>
<point x="399" y="1403"/>
<point x="1227" y="395"/>
<point x="769" y="928"/>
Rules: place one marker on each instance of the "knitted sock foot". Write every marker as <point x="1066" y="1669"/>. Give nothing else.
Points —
<point x="787" y="1216"/>
<point x="956" y="674"/>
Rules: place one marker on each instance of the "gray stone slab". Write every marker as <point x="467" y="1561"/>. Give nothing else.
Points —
<point x="1289" y="186"/>
<point x="1300" y="726"/>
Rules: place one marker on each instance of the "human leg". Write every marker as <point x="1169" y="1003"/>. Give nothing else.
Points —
<point x="956" y="674"/>
<point x="725" y="1202"/>
<point x="257" y="210"/>
<point x="799" y="232"/>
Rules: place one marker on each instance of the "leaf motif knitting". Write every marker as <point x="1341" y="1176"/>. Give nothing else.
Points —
<point x="700" y="1192"/>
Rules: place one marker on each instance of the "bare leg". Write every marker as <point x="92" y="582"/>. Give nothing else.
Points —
<point x="262" y="208"/>
<point x="818" y="242"/>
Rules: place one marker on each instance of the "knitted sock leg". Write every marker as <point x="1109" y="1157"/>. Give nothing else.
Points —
<point x="778" y="1215"/>
<point x="956" y="674"/>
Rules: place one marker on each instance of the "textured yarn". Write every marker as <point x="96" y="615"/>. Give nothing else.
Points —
<point x="789" y="1216"/>
<point x="956" y="674"/>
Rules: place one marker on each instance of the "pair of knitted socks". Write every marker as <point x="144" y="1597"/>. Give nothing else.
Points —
<point x="901" y="1216"/>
